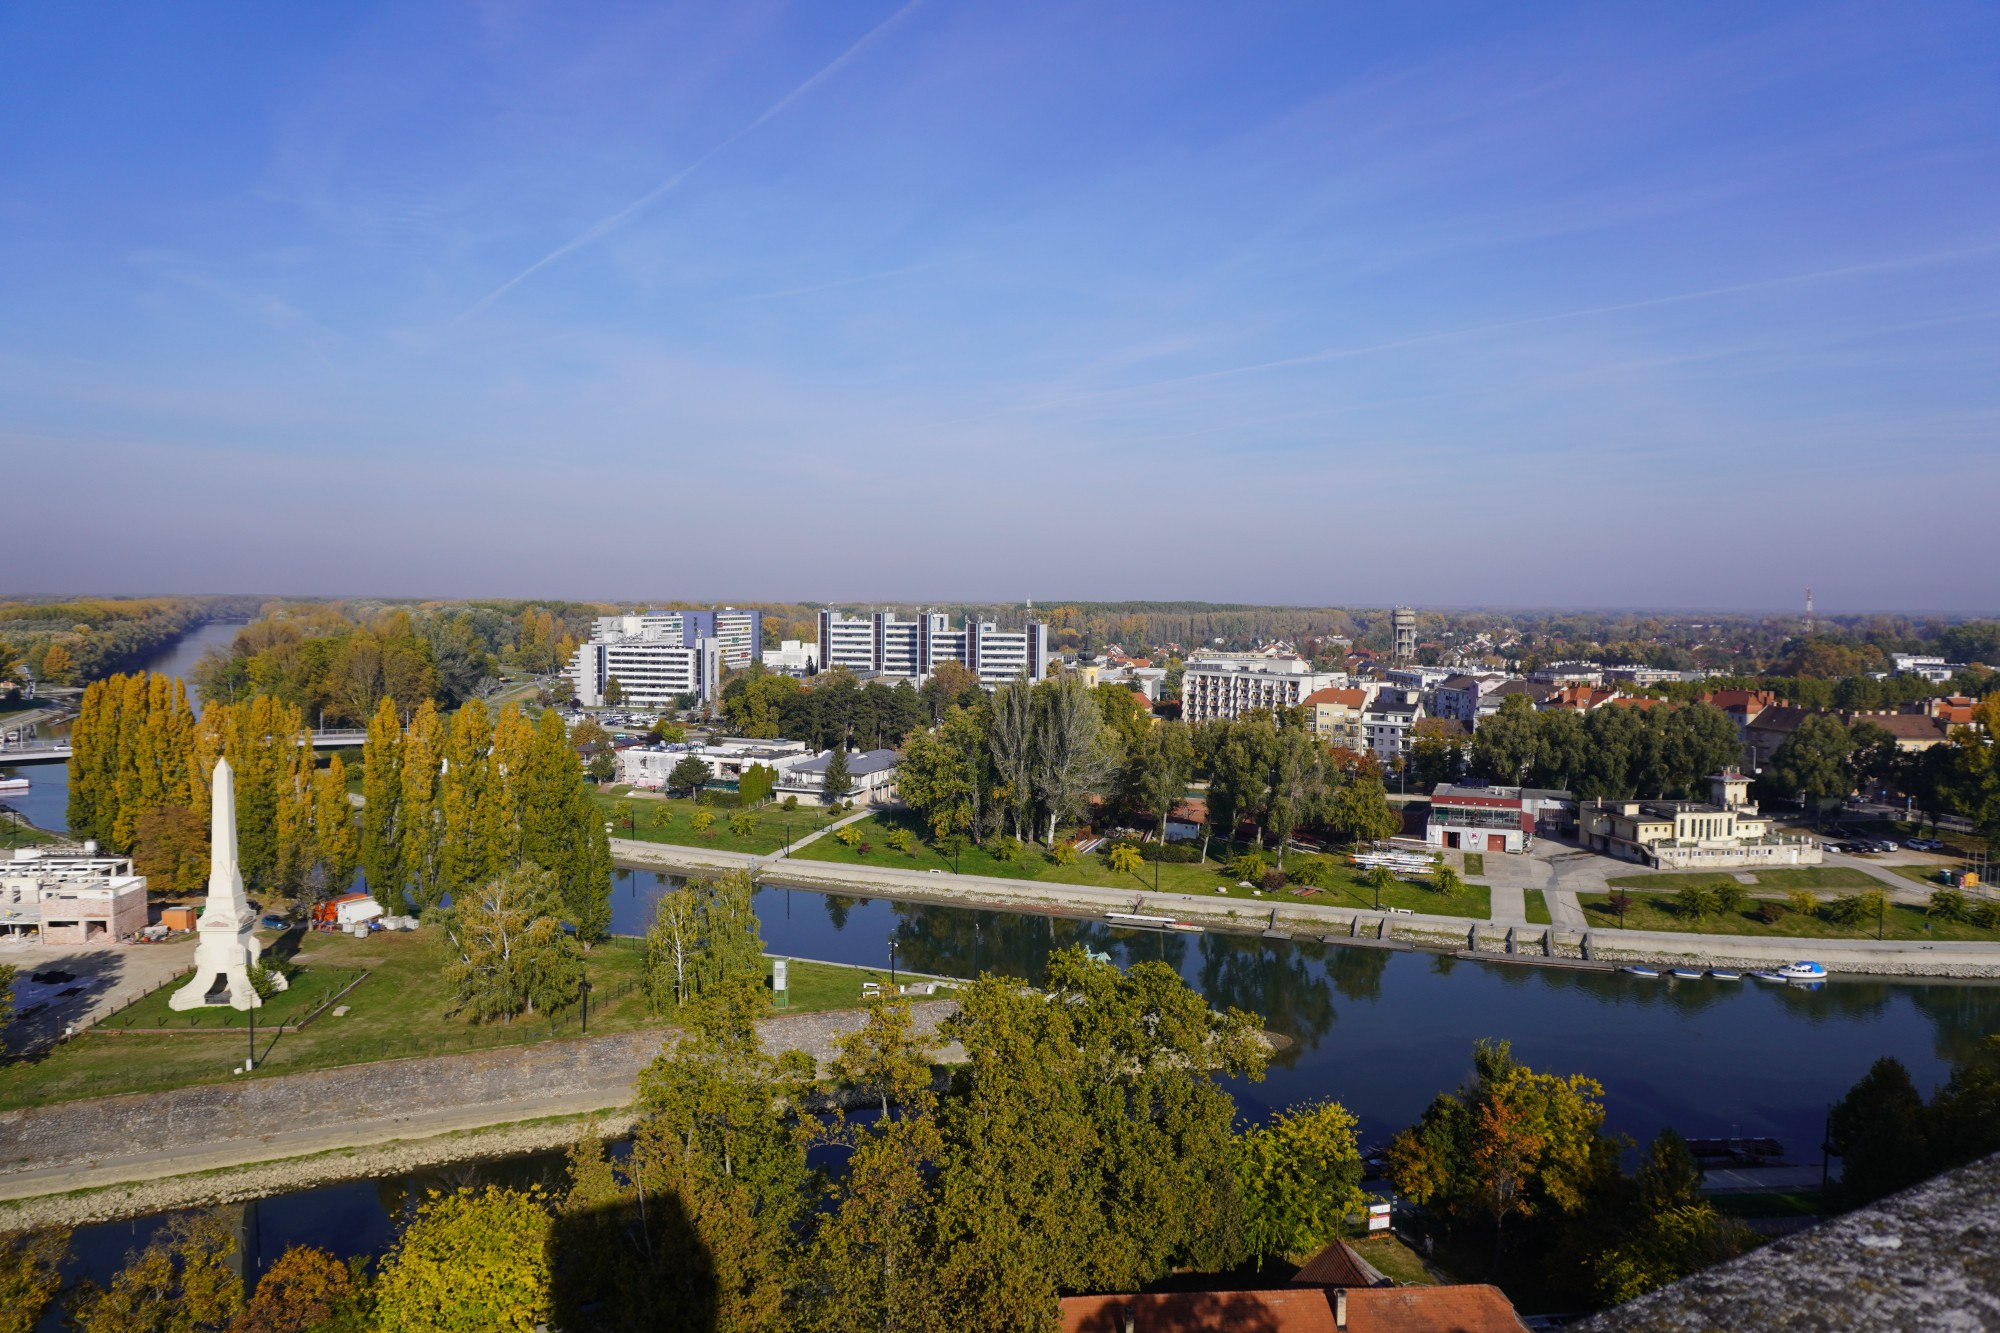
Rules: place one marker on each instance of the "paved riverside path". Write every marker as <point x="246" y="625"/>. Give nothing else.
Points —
<point x="147" y="1136"/>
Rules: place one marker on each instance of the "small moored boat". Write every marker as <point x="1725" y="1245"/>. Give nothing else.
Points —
<point x="1641" y="970"/>
<point x="13" y="785"/>
<point x="1803" y="970"/>
<point x="1715" y="974"/>
<point x="1688" y="973"/>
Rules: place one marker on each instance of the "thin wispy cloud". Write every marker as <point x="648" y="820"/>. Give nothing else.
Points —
<point x="609" y="223"/>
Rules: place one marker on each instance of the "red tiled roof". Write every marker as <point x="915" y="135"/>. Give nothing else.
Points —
<point x="1454" y="1309"/>
<point x="1331" y="695"/>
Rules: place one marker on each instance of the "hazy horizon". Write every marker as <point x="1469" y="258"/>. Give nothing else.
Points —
<point x="1658" y="307"/>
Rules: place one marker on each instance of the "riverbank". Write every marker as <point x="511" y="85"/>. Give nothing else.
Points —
<point x="1442" y="934"/>
<point x="118" y="1156"/>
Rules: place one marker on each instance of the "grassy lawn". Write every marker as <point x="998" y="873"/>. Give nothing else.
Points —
<point x="1538" y="909"/>
<point x="1774" y="1203"/>
<point x="1475" y="863"/>
<point x="1924" y="875"/>
<point x="1345" y="890"/>
<point x="309" y="988"/>
<point x="1787" y="879"/>
<point x="398" y="1012"/>
<point x="23" y="834"/>
<point x="1656" y="912"/>
<point x="654" y="819"/>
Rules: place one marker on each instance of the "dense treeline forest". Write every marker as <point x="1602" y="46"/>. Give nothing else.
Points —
<point x="450" y="804"/>
<point x="71" y="642"/>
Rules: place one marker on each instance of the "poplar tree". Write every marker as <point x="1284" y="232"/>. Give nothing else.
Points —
<point x="464" y="856"/>
<point x="418" y="822"/>
<point x="729" y="968"/>
<point x="382" y="799"/>
<point x="333" y="827"/>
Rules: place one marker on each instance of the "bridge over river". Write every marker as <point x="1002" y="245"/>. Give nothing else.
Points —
<point x="15" y="756"/>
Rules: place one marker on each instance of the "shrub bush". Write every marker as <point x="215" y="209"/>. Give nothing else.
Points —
<point x="1273" y="880"/>
<point x="1172" y="853"/>
<point x="865" y="848"/>
<point x="1004" y="849"/>
<point x="1062" y="853"/>
<point x="1316" y="871"/>
<point x="1769" y="912"/>
<point x="901" y="840"/>
<point x="1950" y="905"/>
<point x="1250" y="866"/>
<point x="1123" y="858"/>
<point x="1730" y="898"/>
<point x="1803" y="901"/>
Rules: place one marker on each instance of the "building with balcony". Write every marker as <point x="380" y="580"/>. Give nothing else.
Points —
<point x="1337" y="717"/>
<point x="880" y="643"/>
<point x="1228" y="685"/>
<point x="652" y="672"/>
<point x="738" y="635"/>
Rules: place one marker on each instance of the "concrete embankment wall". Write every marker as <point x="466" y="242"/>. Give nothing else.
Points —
<point x="1314" y="921"/>
<point x="220" y="1127"/>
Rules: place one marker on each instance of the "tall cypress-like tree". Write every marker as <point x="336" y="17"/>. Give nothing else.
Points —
<point x="465" y="857"/>
<point x="418" y="822"/>
<point x="381" y="802"/>
<point x="334" y="836"/>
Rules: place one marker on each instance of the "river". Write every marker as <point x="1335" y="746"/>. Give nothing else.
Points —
<point x="46" y="802"/>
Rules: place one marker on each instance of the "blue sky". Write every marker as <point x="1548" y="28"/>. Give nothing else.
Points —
<point x="1647" y="305"/>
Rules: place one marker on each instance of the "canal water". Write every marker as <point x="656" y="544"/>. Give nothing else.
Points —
<point x="46" y="802"/>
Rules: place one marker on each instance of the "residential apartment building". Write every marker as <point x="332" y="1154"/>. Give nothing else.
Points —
<point x="1227" y="685"/>
<point x="651" y="672"/>
<point x="1337" y="717"/>
<point x="914" y="649"/>
<point x="1390" y="723"/>
<point x="738" y="635"/>
<point x="1457" y="696"/>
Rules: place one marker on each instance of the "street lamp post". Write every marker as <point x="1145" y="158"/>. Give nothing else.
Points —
<point x="892" y="962"/>
<point x="583" y="994"/>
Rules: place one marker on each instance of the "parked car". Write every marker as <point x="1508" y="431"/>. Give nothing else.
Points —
<point x="273" y="922"/>
<point x="1924" y="844"/>
<point x="1885" y="845"/>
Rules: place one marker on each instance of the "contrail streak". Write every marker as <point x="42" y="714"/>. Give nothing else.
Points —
<point x="611" y="222"/>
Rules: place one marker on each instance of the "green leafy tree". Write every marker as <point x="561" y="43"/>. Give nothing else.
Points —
<point x="690" y="775"/>
<point x="1011" y="746"/>
<point x="334" y="835"/>
<point x="1445" y="880"/>
<point x="1089" y="1148"/>
<point x="420" y="827"/>
<point x="469" y="1262"/>
<point x="1072" y="754"/>
<point x="886" y="1059"/>
<point x="380" y="850"/>
<point x="511" y="953"/>
<point x="1360" y="813"/>
<point x="614" y="693"/>
<point x="1124" y="858"/>
<point x="730" y="965"/>
<point x="1299" y="1175"/>
<point x="1506" y="744"/>
<point x="672" y="943"/>
<point x="1156" y="772"/>
<point x="900" y="840"/>
<point x="184" y="1281"/>
<point x="1881" y="1131"/>
<point x="743" y="824"/>
<point x="30" y="1271"/>
<point x="838" y="782"/>
<point x="1813" y="762"/>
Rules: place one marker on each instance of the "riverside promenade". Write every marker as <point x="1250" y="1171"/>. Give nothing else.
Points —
<point x="1501" y="939"/>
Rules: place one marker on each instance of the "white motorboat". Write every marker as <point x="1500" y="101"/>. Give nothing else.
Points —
<point x="1687" y="973"/>
<point x="1641" y="970"/>
<point x="1803" y="970"/>
<point x="1715" y="974"/>
<point x="9" y="786"/>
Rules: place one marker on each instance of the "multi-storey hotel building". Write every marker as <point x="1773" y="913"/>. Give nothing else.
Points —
<point x="914" y="648"/>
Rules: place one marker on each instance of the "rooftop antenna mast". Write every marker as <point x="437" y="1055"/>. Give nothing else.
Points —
<point x="1809" y="614"/>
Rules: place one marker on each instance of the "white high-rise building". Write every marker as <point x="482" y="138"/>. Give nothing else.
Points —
<point x="1225" y="685"/>
<point x="738" y="635"/>
<point x="914" y="648"/>
<point x="651" y="672"/>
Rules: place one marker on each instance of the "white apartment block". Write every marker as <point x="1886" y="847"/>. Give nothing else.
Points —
<point x="913" y="649"/>
<point x="739" y="635"/>
<point x="1227" y="685"/>
<point x="1390" y="722"/>
<point x="651" y="672"/>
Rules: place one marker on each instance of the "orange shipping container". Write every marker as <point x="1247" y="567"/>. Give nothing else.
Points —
<point x="177" y="918"/>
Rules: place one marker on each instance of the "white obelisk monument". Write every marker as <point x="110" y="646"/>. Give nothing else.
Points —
<point x="225" y="949"/>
